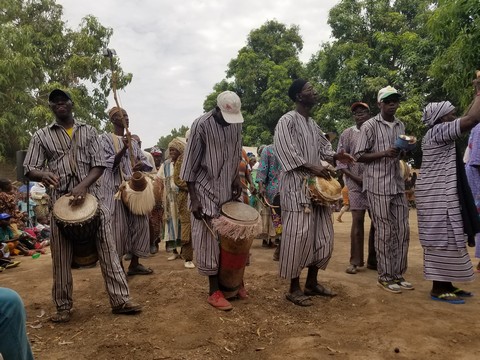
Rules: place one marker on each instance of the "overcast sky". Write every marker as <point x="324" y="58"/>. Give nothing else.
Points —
<point x="177" y="50"/>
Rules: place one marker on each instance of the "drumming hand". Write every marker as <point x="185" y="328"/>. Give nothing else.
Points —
<point x="197" y="209"/>
<point x="138" y="166"/>
<point x="320" y="170"/>
<point x="50" y="179"/>
<point x="78" y="193"/>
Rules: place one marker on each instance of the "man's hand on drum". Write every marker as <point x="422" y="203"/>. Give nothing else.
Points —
<point x="322" y="171"/>
<point x="391" y="152"/>
<point x="50" y="179"/>
<point x="78" y="193"/>
<point x="138" y="166"/>
<point x="344" y="158"/>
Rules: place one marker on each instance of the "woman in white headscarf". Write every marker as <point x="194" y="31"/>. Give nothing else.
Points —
<point x="440" y="194"/>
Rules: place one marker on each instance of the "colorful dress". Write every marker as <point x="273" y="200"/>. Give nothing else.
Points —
<point x="472" y="169"/>
<point x="171" y="220"/>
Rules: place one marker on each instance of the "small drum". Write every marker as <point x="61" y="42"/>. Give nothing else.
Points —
<point x="324" y="192"/>
<point x="79" y="224"/>
<point x="237" y="227"/>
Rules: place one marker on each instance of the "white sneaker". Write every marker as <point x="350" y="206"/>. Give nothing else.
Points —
<point x="173" y="257"/>
<point x="189" y="265"/>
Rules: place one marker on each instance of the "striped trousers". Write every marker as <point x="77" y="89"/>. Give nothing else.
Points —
<point x="206" y="247"/>
<point x="131" y="232"/>
<point x="62" y="256"/>
<point x="392" y="234"/>
<point x="307" y="240"/>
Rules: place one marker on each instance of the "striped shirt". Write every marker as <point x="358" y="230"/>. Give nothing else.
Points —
<point x="298" y="141"/>
<point x="436" y="192"/>
<point x="347" y="142"/>
<point x="211" y="161"/>
<point x="51" y="148"/>
<point x="381" y="176"/>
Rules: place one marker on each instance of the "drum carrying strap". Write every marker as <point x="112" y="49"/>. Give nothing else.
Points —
<point x="116" y="148"/>
<point x="70" y="150"/>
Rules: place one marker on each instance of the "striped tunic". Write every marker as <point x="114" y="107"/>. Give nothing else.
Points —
<point x="440" y="225"/>
<point x="52" y="149"/>
<point x="131" y="232"/>
<point x="472" y="167"/>
<point x="307" y="238"/>
<point x="347" y="142"/>
<point x="381" y="176"/>
<point x="211" y="162"/>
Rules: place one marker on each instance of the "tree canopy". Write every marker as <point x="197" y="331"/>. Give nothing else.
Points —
<point x="39" y="53"/>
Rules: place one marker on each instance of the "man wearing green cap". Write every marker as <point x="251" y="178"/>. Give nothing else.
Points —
<point x="385" y="189"/>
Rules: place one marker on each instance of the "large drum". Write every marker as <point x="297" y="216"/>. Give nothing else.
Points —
<point x="138" y="194"/>
<point x="80" y="225"/>
<point x="237" y="226"/>
<point x="324" y="192"/>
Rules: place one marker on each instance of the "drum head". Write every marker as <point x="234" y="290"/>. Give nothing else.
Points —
<point x="239" y="211"/>
<point x="63" y="211"/>
<point x="330" y="189"/>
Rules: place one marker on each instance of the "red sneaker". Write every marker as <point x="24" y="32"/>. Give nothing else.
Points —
<point x="242" y="293"/>
<point x="217" y="300"/>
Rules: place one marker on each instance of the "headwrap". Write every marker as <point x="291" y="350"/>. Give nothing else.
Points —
<point x="435" y="110"/>
<point x="296" y="88"/>
<point x="155" y="151"/>
<point x="177" y="144"/>
<point x="187" y="134"/>
<point x="113" y="111"/>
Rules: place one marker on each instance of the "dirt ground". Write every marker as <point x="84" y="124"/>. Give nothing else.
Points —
<point x="362" y="322"/>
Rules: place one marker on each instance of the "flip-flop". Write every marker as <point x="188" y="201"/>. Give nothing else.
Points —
<point x="448" y="298"/>
<point x="1" y="268"/>
<point x="319" y="290"/>
<point x="462" y="293"/>
<point x="12" y="264"/>
<point x="140" y="270"/>
<point x="299" y="299"/>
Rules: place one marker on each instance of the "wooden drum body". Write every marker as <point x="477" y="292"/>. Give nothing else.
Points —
<point x="80" y="225"/>
<point x="237" y="227"/>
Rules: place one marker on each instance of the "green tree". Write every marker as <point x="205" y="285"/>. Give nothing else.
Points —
<point x="39" y="53"/>
<point x="165" y="140"/>
<point x="377" y="43"/>
<point x="261" y="74"/>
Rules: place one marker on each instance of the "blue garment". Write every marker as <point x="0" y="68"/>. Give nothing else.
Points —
<point x="14" y="343"/>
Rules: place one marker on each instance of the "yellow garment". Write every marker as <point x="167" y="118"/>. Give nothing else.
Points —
<point x="70" y="132"/>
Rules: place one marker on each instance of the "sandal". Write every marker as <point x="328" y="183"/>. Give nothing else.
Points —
<point x="12" y="264"/>
<point x="127" y="308"/>
<point x="319" y="290"/>
<point x="139" y="270"/>
<point x="462" y="293"/>
<point x="448" y="297"/>
<point x="300" y="299"/>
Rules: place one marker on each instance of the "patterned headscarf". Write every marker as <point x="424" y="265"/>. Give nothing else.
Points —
<point x="113" y="111"/>
<point x="177" y="144"/>
<point x="435" y="110"/>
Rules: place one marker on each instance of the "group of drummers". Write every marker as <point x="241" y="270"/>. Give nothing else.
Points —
<point x="99" y="191"/>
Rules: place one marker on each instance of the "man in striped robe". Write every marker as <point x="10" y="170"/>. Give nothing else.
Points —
<point x="307" y="238"/>
<point x="131" y="231"/>
<point x="210" y="168"/>
<point x="68" y="157"/>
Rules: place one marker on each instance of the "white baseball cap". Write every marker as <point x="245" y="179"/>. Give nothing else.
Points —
<point x="386" y="92"/>
<point x="230" y="104"/>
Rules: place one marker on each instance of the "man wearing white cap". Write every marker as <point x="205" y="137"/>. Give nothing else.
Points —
<point x="209" y="167"/>
<point x="385" y="189"/>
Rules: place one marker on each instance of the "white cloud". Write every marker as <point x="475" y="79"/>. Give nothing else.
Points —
<point x="177" y="50"/>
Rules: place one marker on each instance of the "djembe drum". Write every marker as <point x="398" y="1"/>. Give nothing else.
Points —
<point x="324" y="192"/>
<point x="79" y="224"/>
<point x="237" y="226"/>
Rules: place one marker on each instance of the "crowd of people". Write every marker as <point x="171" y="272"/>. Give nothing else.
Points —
<point x="210" y="168"/>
